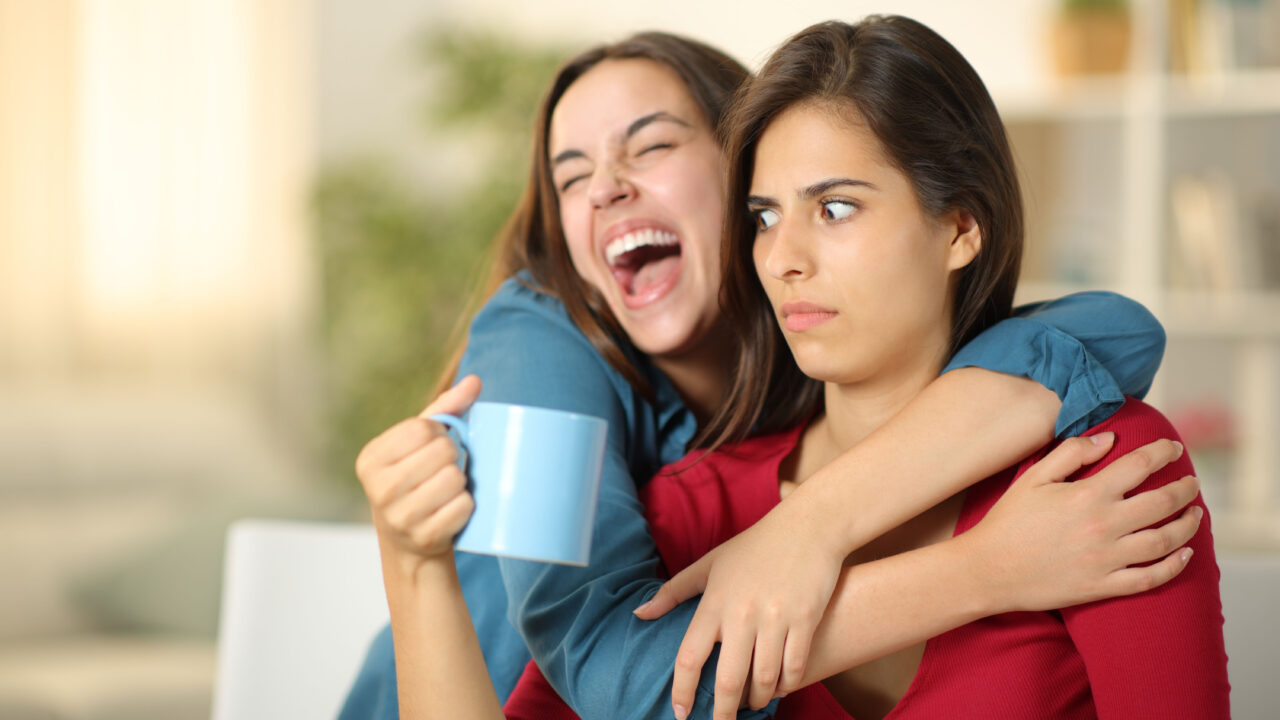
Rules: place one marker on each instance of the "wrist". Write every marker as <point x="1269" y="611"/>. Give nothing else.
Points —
<point x="407" y="568"/>
<point x="975" y="588"/>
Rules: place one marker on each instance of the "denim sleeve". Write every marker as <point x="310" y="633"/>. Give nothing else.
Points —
<point x="577" y="621"/>
<point x="1091" y="348"/>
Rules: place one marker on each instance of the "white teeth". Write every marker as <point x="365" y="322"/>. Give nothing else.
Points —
<point x="640" y="238"/>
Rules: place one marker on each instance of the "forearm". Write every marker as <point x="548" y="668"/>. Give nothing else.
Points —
<point x="885" y="605"/>
<point x="440" y="671"/>
<point x="964" y="427"/>
<point x="603" y="660"/>
<point x="1077" y="353"/>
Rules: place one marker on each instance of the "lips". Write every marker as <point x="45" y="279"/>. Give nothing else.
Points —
<point x="644" y="258"/>
<point x="801" y="316"/>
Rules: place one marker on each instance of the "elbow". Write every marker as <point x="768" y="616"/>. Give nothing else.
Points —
<point x="1144" y="340"/>
<point x="1135" y="320"/>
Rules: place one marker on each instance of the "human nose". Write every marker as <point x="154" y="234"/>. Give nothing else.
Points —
<point x="608" y="185"/>
<point x="785" y="253"/>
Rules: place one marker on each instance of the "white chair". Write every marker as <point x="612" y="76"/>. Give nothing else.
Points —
<point x="1251" y="609"/>
<point x="300" y="604"/>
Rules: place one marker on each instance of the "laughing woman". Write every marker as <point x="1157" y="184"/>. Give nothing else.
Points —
<point x="613" y="312"/>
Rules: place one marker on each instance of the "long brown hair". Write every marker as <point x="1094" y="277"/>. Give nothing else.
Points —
<point x="937" y="124"/>
<point x="533" y="238"/>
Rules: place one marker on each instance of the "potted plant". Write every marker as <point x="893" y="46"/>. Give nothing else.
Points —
<point x="1091" y="37"/>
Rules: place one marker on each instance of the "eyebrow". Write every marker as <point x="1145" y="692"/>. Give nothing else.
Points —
<point x="639" y="123"/>
<point x="636" y="126"/>
<point x="812" y="191"/>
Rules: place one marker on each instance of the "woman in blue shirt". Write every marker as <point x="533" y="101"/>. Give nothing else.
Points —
<point x="610" y="309"/>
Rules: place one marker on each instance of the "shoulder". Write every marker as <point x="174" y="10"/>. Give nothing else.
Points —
<point x="1136" y="424"/>
<point x="527" y="350"/>
<point x="519" y="304"/>
<point x="752" y="463"/>
<point x="753" y="455"/>
<point x="706" y="498"/>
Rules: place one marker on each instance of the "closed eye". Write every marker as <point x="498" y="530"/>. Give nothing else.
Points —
<point x="654" y="148"/>
<point x="564" y="187"/>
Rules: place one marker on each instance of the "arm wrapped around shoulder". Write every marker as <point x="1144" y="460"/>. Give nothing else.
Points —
<point x="1091" y="348"/>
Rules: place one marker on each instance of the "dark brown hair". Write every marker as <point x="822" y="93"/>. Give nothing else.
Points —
<point x="533" y="238"/>
<point x="937" y="124"/>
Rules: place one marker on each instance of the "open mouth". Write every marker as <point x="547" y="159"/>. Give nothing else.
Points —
<point x="644" y="262"/>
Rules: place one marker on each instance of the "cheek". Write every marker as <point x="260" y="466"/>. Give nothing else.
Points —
<point x="693" y="186"/>
<point x="915" y="280"/>
<point x="759" y="254"/>
<point x="577" y="236"/>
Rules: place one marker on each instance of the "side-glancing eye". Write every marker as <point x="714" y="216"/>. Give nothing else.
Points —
<point x="837" y="210"/>
<point x="765" y="218"/>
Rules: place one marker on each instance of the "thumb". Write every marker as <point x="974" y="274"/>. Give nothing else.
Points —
<point x="1070" y="455"/>
<point x="686" y="584"/>
<point x="456" y="400"/>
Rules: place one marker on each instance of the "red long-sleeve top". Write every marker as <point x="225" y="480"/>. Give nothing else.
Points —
<point x="1157" y="654"/>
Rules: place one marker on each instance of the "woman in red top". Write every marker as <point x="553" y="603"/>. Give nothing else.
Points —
<point x="875" y="224"/>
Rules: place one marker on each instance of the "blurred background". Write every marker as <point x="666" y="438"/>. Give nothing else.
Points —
<point x="236" y="235"/>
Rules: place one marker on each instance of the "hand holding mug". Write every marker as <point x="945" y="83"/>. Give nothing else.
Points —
<point x="535" y="475"/>
<point x="527" y="489"/>
<point x="410" y="474"/>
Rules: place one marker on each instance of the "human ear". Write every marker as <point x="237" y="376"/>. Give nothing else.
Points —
<point x="966" y="239"/>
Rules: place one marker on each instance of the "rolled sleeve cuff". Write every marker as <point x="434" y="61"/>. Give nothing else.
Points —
<point x="1027" y="348"/>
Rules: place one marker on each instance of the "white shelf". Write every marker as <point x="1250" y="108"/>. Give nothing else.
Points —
<point x="1246" y="92"/>
<point x="1238" y="316"/>
<point x="1243" y="93"/>
<point x="1069" y="99"/>
<point x="1142" y="111"/>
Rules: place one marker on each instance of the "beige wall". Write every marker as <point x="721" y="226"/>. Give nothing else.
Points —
<point x="156" y="285"/>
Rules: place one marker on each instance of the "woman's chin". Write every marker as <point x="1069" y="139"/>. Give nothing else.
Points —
<point x="664" y="338"/>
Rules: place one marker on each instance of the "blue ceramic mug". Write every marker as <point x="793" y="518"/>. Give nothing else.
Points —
<point x="535" y="477"/>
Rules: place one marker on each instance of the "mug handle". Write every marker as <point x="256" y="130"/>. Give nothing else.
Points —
<point x="462" y="431"/>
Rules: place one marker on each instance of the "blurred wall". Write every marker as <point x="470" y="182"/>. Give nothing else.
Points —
<point x="155" y="282"/>
<point x="372" y="91"/>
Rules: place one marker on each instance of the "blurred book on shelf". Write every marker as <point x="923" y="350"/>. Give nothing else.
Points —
<point x="1223" y="243"/>
<point x="1205" y="218"/>
<point x="1208" y="37"/>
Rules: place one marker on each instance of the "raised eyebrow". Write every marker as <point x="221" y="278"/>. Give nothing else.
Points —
<point x="639" y="123"/>
<point x="759" y="201"/>
<point x="819" y="188"/>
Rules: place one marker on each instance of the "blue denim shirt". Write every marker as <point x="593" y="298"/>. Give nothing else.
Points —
<point x="1091" y="348"/>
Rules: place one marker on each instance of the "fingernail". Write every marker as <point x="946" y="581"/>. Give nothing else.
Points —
<point x="640" y="609"/>
<point x="682" y="712"/>
<point x="1178" y="446"/>
<point x="1186" y="555"/>
<point x="1197" y="511"/>
<point x="1102" y="438"/>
